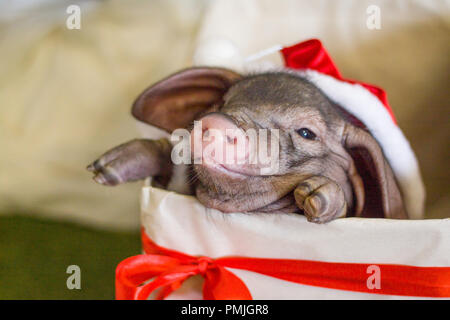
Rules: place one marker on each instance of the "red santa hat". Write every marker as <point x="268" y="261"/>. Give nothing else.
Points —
<point x="364" y="101"/>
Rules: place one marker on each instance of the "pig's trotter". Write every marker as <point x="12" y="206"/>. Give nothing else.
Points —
<point x="132" y="161"/>
<point x="321" y="199"/>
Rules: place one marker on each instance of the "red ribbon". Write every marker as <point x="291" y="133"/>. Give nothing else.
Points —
<point x="168" y="269"/>
<point x="312" y="55"/>
<point x="161" y="268"/>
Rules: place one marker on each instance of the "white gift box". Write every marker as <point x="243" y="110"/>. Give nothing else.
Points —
<point x="353" y="249"/>
<point x="181" y="223"/>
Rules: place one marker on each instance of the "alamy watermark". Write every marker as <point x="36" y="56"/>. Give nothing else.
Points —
<point x="233" y="147"/>
<point x="374" y="280"/>
<point x="73" y="21"/>
<point x="74" y="280"/>
<point x="373" y="21"/>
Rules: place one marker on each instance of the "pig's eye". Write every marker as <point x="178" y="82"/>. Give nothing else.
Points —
<point x="306" y="133"/>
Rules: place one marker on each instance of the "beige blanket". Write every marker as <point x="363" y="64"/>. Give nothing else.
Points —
<point x="65" y="98"/>
<point x="65" y="95"/>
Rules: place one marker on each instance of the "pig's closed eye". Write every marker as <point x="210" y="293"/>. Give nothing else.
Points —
<point x="306" y="134"/>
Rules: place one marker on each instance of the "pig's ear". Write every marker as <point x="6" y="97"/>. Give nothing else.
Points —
<point x="176" y="101"/>
<point x="382" y="195"/>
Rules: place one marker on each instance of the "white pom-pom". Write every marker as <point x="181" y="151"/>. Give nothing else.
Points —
<point x="218" y="52"/>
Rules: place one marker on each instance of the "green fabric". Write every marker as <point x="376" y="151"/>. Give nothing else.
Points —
<point x="35" y="254"/>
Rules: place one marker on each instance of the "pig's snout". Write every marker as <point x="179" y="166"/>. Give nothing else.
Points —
<point x="217" y="140"/>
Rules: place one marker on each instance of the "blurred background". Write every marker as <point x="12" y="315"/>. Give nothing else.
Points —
<point x="65" y="98"/>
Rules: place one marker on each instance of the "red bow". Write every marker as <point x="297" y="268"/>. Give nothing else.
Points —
<point x="160" y="268"/>
<point x="312" y="55"/>
<point x="169" y="269"/>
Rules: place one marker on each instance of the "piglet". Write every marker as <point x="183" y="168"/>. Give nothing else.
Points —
<point x="327" y="165"/>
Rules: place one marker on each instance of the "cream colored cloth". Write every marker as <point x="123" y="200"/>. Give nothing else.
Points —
<point x="66" y="95"/>
<point x="197" y="230"/>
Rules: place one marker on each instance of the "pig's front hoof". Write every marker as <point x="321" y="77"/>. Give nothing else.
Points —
<point x="321" y="199"/>
<point x="103" y="174"/>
